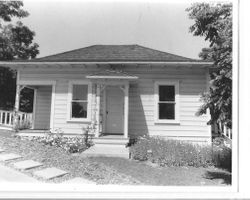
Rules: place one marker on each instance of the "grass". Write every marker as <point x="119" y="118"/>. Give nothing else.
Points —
<point x="108" y="170"/>
<point x="51" y="156"/>
<point x="149" y="174"/>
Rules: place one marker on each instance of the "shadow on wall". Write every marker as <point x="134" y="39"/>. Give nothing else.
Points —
<point x="226" y="177"/>
<point x="137" y="119"/>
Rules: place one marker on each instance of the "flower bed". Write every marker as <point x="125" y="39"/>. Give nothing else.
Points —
<point x="76" y="144"/>
<point x="52" y="156"/>
<point x="179" y="153"/>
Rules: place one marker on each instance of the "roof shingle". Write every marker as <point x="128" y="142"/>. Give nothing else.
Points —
<point x="114" y="53"/>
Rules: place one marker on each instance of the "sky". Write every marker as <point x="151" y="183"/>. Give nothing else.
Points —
<point x="66" y="25"/>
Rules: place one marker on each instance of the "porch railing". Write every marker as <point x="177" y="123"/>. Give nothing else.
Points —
<point x="7" y="118"/>
<point x="227" y="132"/>
<point x="222" y="129"/>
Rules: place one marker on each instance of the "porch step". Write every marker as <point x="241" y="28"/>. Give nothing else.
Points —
<point x="31" y="132"/>
<point x="106" y="151"/>
<point x="110" y="141"/>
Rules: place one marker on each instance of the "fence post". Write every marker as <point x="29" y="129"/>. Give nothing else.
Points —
<point x="1" y="117"/>
<point x="5" y="118"/>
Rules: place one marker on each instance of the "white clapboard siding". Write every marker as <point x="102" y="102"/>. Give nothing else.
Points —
<point x="141" y="99"/>
<point x="43" y="107"/>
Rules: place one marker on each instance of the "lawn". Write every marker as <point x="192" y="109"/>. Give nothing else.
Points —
<point x="153" y="175"/>
<point x="55" y="157"/>
<point x="107" y="170"/>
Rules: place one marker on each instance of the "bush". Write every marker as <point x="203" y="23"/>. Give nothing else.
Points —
<point x="21" y="125"/>
<point x="222" y="157"/>
<point x="74" y="144"/>
<point x="177" y="153"/>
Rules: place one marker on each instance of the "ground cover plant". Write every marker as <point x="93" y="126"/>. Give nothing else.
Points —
<point x="110" y="170"/>
<point x="178" y="153"/>
<point x="76" y="144"/>
<point x="52" y="156"/>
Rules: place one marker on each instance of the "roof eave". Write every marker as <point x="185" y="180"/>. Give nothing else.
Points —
<point x="108" y="62"/>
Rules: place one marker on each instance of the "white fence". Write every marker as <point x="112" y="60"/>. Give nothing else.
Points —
<point x="7" y="118"/>
<point x="220" y="129"/>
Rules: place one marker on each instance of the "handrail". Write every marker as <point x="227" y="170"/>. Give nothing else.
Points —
<point x="7" y="117"/>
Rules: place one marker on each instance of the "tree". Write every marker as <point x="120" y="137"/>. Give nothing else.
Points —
<point x="16" y="42"/>
<point x="9" y="9"/>
<point x="214" y="22"/>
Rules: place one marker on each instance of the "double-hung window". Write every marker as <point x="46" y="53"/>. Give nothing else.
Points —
<point x="79" y="101"/>
<point x="167" y="102"/>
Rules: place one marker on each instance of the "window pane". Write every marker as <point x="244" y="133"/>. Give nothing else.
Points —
<point x="80" y="92"/>
<point x="166" y="111"/>
<point x="166" y="93"/>
<point x="79" y="109"/>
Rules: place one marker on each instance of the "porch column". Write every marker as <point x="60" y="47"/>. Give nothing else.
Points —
<point x="98" y="93"/>
<point x="17" y="101"/>
<point x="126" y="110"/>
<point x="17" y="98"/>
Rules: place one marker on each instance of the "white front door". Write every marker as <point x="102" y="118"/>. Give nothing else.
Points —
<point x="114" y="110"/>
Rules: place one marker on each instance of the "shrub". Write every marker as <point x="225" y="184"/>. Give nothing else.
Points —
<point x="21" y="125"/>
<point x="222" y="156"/>
<point x="74" y="144"/>
<point x="177" y="153"/>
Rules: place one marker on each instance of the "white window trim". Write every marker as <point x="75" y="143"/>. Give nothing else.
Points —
<point x="177" y="105"/>
<point x="70" y="86"/>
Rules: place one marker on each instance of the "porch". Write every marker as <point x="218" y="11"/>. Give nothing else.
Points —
<point x="42" y="104"/>
<point x="100" y="101"/>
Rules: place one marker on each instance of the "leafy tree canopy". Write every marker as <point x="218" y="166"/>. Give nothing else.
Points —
<point x="16" y="42"/>
<point x="10" y="9"/>
<point x="214" y="22"/>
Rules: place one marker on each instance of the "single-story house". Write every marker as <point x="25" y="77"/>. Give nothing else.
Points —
<point x="126" y="90"/>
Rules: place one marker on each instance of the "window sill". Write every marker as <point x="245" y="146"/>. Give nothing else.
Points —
<point x="176" y="122"/>
<point x="79" y="120"/>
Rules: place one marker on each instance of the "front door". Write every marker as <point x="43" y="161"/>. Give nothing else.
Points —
<point x="114" y="110"/>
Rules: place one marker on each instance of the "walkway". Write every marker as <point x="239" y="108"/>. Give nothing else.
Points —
<point x="11" y="175"/>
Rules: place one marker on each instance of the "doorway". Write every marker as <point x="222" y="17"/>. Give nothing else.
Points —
<point x="114" y="110"/>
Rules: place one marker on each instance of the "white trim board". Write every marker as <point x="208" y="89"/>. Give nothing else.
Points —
<point x="43" y="82"/>
<point x="89" y="112"/>
<point x="177" y="104"/>
<point x="34" y="108"/>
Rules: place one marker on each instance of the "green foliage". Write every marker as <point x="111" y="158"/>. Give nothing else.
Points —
<point x="75" y="144"/>
<point x="222" y="157"/>
<point x="9" y="9"/>
<point x="22" y="125"/>
<point x="179" y="153"/>
<point x="26" y="100"/>
<point x="16" y="42"/>
<point x="7" y="88"/>
<point x="8" y="92"/>
<point x="214" y="22"/>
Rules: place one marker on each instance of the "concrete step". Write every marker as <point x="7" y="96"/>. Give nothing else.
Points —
<point x="9" y="156"/>
<point x="49" y="173"/>
<point x="31" y="132"/>
<point x="27" y="164"/>
<point x="106" y="151"/>
<point x="113" y="141"/>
